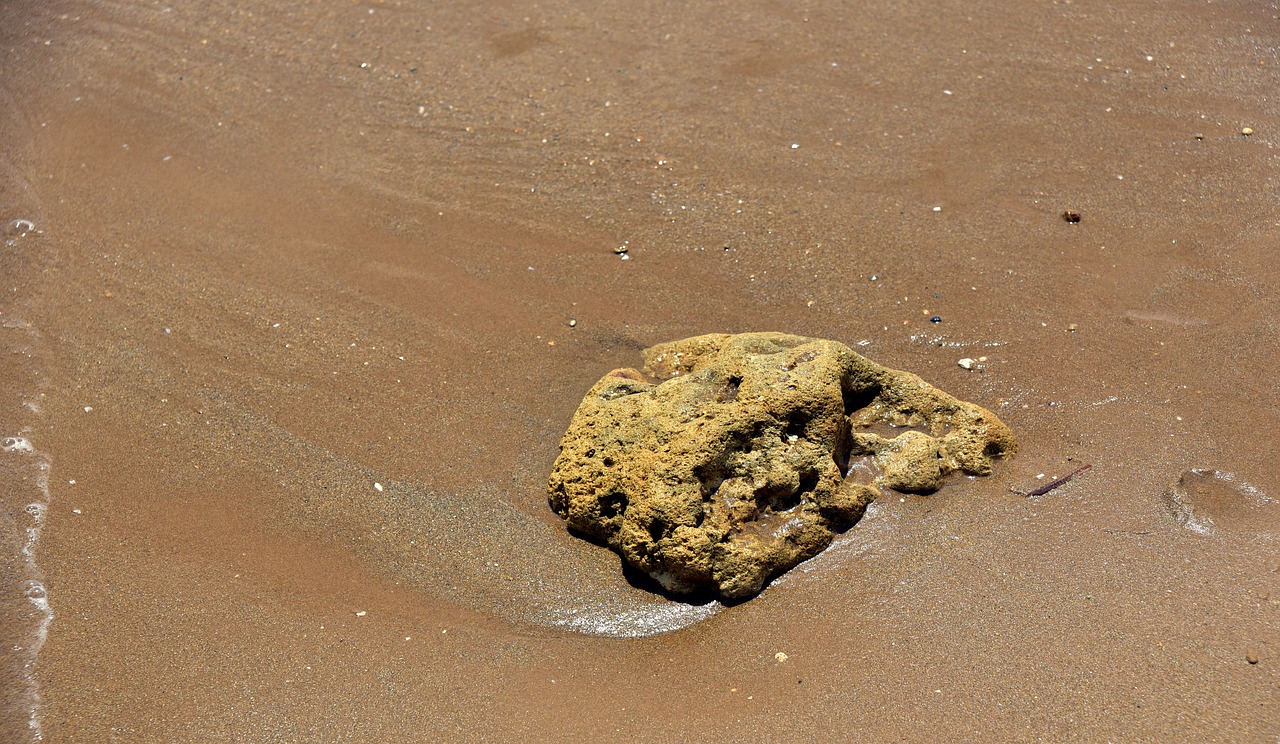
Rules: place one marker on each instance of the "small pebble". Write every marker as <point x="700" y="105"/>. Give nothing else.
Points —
<point x="573" y="324"/>
<point x="1073" y="328"/>
<point x="361" y="613"/>
<point x="966" y="363"/>
<point x="377" y="487"/>
<point x="1251" y="656"/>
<point x="1071" y="216"/>
<point x="1247" y="131"/>
<point x="936" y="319"/>
<point x="781" y="657"/>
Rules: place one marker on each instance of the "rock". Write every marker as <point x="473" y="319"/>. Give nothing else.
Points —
<point x="731" y="458"/>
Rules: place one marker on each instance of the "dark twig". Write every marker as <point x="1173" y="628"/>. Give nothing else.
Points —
<point x="1042" y="490"/>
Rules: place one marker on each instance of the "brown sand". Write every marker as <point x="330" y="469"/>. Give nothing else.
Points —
<point x="285" y="251"/>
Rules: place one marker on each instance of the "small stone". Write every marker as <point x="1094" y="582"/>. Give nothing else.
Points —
<point x="1247" y="131"/>
<point x="936" y="319"/>
<point x="1073" y="328"/>
<point x="967" y="363"/>
<point x="377" y="487"/>
<point x="1071" y="216"/>
<point x="361" y="613"/>
<point x="620" y="250"/>
<point x="1251" y="656"/>
<point x="573" y="324"/>
<point x="781" y="657"/>
<point x="982" y="359"/>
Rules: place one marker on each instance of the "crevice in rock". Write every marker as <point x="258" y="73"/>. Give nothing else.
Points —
<point x="776" y="498"/>
<point x="709" y="476"/>
<point x="843" y="449"/>
<point x="856" y="400"/>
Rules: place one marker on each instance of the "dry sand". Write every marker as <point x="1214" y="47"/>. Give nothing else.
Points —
<point x="280" y="252"/>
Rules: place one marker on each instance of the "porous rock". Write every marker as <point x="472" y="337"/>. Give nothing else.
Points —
<point x="731" y="458"/>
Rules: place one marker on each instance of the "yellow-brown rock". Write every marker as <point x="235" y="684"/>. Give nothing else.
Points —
<point x="731" y="458"/>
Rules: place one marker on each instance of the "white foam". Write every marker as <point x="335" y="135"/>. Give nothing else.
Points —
<point x="616" y="622"/>
<point x="1255" y="495"/>
<point x="16" y="444"/>
<point x="30" y="521"/>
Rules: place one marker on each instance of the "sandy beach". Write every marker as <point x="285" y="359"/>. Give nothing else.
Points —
<point x="299" y="299"/>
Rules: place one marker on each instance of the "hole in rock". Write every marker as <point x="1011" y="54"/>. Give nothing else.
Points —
<point x="613" y="505"/>
<point x="797" y="422"/>
<point x="729" y="392"/>
<point x="856" y="400"/>
<point x="710" y="477"/>
<point x="808" y="482"/>
<point x="744" y="441"/>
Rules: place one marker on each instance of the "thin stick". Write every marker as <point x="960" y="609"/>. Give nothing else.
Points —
<point x="1042" y="490"/>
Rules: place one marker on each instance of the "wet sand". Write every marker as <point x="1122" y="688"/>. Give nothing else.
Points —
<point x="288" y="334"/>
